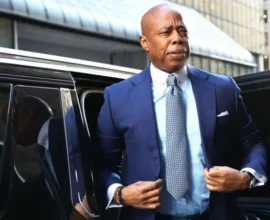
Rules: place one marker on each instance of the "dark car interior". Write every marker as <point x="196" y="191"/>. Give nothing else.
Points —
<point x="258" y="107"/>
<point x="256" y="202"/>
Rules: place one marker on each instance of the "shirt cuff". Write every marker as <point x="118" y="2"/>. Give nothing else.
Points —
<point x="110" y="194"/>
<point x="260" y="179"/>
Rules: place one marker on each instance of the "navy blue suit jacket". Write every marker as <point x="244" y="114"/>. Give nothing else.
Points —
<point x="127" y="123"/>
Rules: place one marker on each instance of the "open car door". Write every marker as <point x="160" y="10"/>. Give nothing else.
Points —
<point x="256" y="94"/>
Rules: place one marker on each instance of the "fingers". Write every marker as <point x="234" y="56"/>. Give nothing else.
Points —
<point x="158" y="183"/>
<point x="152" y="206"/>
<point x="218" y="187"/>
<point x="152" y="193"/>
<point x="213" y="188"/>
<point x="147" y="186"/>
<point x="215" y="172"/>
<point x="221" y="179"/>
<point x="206" y="173"/>
<point x="208" y="177"/>
<point x="212" y="183"/>
<point x="143" y="194"/>
<point x="152" y="200"/>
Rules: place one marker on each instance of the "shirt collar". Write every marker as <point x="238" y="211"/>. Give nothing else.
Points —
<point x="159" y="77"/>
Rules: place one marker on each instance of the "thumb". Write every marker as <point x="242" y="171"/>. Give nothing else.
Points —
<point x="158" y="183"/>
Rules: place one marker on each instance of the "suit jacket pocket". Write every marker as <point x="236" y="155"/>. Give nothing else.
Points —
<point x="222" y="119"/>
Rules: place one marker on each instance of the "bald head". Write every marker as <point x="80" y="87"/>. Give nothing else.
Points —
<point x="152" y="16"/>
<point x="164" y="37"/>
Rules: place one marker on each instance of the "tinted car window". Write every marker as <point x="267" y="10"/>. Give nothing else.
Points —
<point x="40" y="183"/>
<point x="47" y="176"/>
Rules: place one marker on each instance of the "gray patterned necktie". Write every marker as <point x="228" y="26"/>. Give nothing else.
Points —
<point x="176" y="141"/>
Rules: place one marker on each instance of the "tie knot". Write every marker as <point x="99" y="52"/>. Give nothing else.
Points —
<point x="171" y="80"/>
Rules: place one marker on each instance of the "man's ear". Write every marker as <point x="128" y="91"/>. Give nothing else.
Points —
<point x="144" y="43"/>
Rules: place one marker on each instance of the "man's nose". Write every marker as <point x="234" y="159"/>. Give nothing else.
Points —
<point x="176" y="38"/>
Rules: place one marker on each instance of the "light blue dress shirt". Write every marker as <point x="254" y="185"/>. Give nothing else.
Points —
<point x="196" y="199"/>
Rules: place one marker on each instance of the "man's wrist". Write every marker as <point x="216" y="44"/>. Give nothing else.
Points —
<point x="120" y="195"/>
<point x="118" y="199"/>
<point x="115" y="196"/>
<point x="248" y="180"/>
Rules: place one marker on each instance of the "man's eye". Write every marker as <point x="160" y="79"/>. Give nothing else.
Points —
<point x="165" y="32"/>
<point x="183" y="33"/>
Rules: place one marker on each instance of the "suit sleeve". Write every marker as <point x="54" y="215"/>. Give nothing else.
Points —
<point x="255" y="156"/>
<point x="110" y="147"/>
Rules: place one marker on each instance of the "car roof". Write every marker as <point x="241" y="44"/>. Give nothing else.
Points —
<point x="39" y="60"/>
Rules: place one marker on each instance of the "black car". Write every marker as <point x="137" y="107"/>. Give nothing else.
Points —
<point x="48" y="111"/>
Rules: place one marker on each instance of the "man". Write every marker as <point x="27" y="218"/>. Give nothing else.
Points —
<point x="181" y="130"/>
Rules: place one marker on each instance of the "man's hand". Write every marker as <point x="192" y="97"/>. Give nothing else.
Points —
<point x="226" y="179"/>
<point x="143" y="194"/>
<point x="81" y="211"/>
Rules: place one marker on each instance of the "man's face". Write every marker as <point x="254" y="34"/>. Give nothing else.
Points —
<point x="166" y="40"/>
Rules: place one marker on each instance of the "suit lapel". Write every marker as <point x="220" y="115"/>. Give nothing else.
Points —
<point x="142" y="101"/>
<point x="205" y="96"/>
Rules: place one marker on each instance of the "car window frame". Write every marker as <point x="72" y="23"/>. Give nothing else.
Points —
<point x="5" y="153"/>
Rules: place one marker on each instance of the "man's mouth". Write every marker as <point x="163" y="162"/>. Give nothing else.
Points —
<point x="177" y="52"/>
